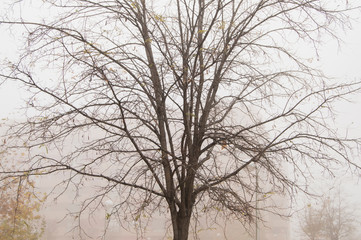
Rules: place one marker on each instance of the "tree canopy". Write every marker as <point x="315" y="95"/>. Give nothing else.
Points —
<point x="172" y="105"/>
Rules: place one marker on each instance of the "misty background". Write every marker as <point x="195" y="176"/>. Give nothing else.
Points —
<point x="338" y="60"/>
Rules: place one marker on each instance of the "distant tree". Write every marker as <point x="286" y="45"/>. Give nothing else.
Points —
<point x="168" y="105"/>
<point x="311" y="223"/>
<point x="339" y="219"/>
<point x="333" y="219"/>
<point x="19" y="211"/>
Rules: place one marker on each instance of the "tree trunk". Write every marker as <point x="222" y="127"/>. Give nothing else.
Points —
<point x="181" y="226"/>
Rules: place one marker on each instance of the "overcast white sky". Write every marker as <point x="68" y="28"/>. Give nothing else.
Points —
<point x="339" y="61"/>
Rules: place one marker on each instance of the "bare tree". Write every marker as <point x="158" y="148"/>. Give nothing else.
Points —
<point x="311" y="223"/>
<point x="334" y="219"/>
<point x="339" y="219"/>
<point x="169" y="103"/>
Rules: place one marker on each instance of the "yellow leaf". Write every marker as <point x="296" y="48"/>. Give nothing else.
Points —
<point x="159" y="18"/>
<point x="134" y="5"/>
<point x="222" y="25"/>
<point x="223" y="145"/>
